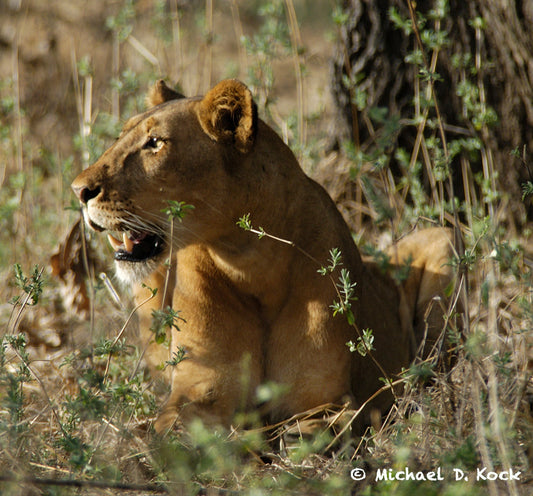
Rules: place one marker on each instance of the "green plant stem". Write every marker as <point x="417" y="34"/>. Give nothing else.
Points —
<point x="169" y="267"/>
<point x="43" y="389"/>
<point x="122" y="330"/>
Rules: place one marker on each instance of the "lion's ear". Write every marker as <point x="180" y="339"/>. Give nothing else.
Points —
<point x="161" y="93"/>
<point x="228" y="114"/>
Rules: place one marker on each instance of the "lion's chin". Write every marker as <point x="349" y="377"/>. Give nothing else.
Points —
<point x="129" y="273"/>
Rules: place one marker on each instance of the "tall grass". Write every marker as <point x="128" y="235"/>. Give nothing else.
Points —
<point x="79" y="415"/>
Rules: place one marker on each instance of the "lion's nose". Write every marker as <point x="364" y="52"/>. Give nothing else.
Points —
<point x="84" y="193"/>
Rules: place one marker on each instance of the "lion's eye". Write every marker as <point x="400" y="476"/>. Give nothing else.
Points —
<point x="153" y="143"/>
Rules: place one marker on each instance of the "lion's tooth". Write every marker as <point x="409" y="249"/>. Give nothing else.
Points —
<point x="128" y="243"/>
<point x="114" y="242"/>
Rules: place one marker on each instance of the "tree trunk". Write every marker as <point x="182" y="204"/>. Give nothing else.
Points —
<point x="490" y="45"/>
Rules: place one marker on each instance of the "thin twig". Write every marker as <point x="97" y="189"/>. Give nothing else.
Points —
<point x="239" y="34"/>
<point x="119" y="335"/>
<point x="296" y="43"/>
<point x="209" y="40"/>
<point x="89" y="270"/>
<point x="176" y="37"/>
<point x="169" y="263"/>
<point x="23" y="306"/>
<point x="389" y="386"/>
<point x="120" y="486"/>
<point x="262" y="233"/>
<point x="43" y="388"/>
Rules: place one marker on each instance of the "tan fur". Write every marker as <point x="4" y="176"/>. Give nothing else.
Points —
<point x="254" y="310"/>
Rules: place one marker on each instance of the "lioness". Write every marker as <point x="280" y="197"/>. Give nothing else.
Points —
<point x="251" y="310"/>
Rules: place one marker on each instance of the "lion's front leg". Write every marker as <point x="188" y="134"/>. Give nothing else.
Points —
<point x="222" y="365"/>
<point x="307" y="355"/>
<point x="200" y="391"/>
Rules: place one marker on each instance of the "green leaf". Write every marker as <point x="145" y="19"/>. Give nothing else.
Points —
<point x="177" y="210"/>
<point x="245" y="223"/>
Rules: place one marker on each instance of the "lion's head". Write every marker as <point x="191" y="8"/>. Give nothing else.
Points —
<point x="190" y="150"/>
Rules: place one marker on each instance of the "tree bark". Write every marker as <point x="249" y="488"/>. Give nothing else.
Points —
<point x="371" y="53"/>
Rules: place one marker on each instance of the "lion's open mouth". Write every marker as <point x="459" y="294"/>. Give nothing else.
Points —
<point x="136" y="246"/>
